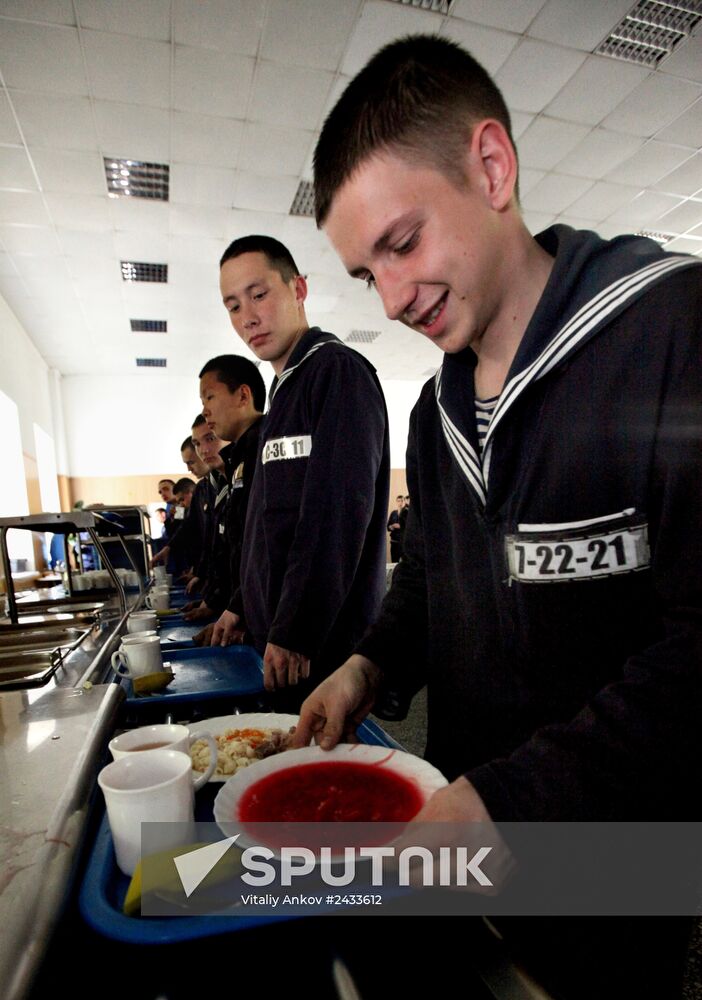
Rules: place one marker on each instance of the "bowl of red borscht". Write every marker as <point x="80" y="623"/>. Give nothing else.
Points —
<point x="353" y="783"/>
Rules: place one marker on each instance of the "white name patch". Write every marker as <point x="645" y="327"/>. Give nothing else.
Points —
<point x="278" y="449"/>
<point x="543" y="558"/>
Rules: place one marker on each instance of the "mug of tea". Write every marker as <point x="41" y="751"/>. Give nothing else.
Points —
<point x="163" y="737"/>
<point x="138" y="656"/>
<point x="147" y="788"/>
<point x="159" y="599"/>
<point x="142" y="621"/>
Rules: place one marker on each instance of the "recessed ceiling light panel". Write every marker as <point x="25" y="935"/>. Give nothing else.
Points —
<point x="303" y="202"/>
<point x="151" y="362"/>
<point x="362" y="336"/>
<point x="149" y="325"/>
<point x="435" y="6"/>
<point x="133" y="270"/>
<point x="651" y="30"/>
<point x="136" y="179"/>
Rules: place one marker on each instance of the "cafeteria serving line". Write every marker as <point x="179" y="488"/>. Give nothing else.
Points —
<point x="527" y="223"/>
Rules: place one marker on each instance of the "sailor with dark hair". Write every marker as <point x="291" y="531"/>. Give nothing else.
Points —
<point x="313" y="559"/>
<point x="550" y="587"/>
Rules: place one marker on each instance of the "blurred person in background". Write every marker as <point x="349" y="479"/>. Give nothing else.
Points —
<point x="233" y="396"/>
<point x="394" y="529"/>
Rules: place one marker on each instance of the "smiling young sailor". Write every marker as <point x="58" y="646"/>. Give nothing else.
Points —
<point x="550" y="590"/>
<point x="313" y="555"/>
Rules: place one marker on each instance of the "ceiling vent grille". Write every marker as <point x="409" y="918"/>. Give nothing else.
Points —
<point x="303" y="202"/>
<point x="661" y="238"/>
<point x="133" y="270"/>
<point x="134" y="179"/>
<point x="436" y="6"/>
<point x="362" y="336"/>
<point x="651" y="30"/>
<point x="149" y="325"/>
<point x="151" y="362"/>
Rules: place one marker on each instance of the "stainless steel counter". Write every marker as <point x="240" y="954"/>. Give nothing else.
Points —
<point x="51" y="742"/>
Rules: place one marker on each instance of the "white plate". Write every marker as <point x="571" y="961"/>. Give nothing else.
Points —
<point x="252" y="720"/>
<point x="424" y="775"/>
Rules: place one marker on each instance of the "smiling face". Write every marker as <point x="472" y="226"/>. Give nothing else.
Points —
<point x="266" y="311"/>
<point x="433" y="250"/>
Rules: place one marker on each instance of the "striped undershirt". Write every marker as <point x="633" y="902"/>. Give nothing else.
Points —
<point x="484" y="409"/>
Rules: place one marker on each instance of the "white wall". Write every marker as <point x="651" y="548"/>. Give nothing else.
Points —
<point x="133" y="425"/>
<point x="24" y="377"/>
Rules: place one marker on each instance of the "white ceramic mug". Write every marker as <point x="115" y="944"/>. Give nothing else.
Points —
<point x="138" y="656"/>
<point x="146" y="788"/>
<point x="142" y="621"/>
<point x="159" y="599"/>
<point x="163" y="736"/>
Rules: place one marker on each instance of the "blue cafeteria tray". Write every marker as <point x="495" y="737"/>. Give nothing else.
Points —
<point x="104" y="887"/>
<point x="179" y="634"/>
<point x="205" y="672"/>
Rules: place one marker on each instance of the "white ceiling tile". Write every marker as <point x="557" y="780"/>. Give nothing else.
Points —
<point x="529" y="178"/>
<point x="274" y="195"/>
<point x="683" y="244"/>
<point x="79" y="211"/>
<point x="582" y="24"/>
<point x="602" y="200"/>
<point x="211" y="83"/>
<point x="227" y="25"/>
<point x="199" y="139"/>
<point x="596" y="89"/>
<point x="198" y="221"/>
<point x="15" y="170"/>
<point x="339" y="85"/>
<point x="102" y="269"/>
<point x="36" y="57"/>
<point x="86" y="245"/>
<point x="325" y="284"/>
<point x="547" y="141"/>
<point x="653" y="105"/>
<point x="685" y="180"/>
<point x="520" y="123"/>
<point x="70" y="172"/>
<point x="38" y="240"/>
<point x="130" y="17"/>
<point x="535" y="73"/>
<point x="319" y="304"/>
<point x="53" y="11"/>
<point x="686" y="216"/>
<point x="13" y="290"/>
<point x="687" y="129"/>
<point x="137" y="245"/>
<point x="7" y="266"/>
<point x="301" y="231"/>
<point x="93" y="282"/>
<point x="266" y="149"/>
<point x="568" y="218"/>
<point x="55" y="122"/>
<point x="642" y="212"/>
<point x="536" y="222"/>
<point x="686" y="61"/>
<point x="192" y="184"/>
<point x="289" y="95"/>
<point x="141" y="296"/>
<point x="488" y="45"/>
<point x="555" y="193"/>
<point x="598" y="153"/>
<point x="132" y="131"/>
<point x="651" y="162"/>
<point x="139" y="215"/>
<point x="303" y="34"/>
<point x="499" y="13"/>
<point x="8" y="126"/>
<point x="23" y="207"/>
<point x="381" y="23"/>
<point x="196" y="248"/>
<point x="128" y="69"/>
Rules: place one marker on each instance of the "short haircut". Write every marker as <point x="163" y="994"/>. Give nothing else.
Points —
<point x="198" y="421"/>
<point x="171" y="481"/>
<point x="188" y="443"/>
<point x="420" y="96"/>
<point x="277" y="255"/>
<point x="184" y="485"/>
<point x="233" y="370"/>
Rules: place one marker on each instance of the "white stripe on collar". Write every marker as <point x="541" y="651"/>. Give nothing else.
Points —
<point x="288" y="371"/>
<point x="463" y="451"/>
